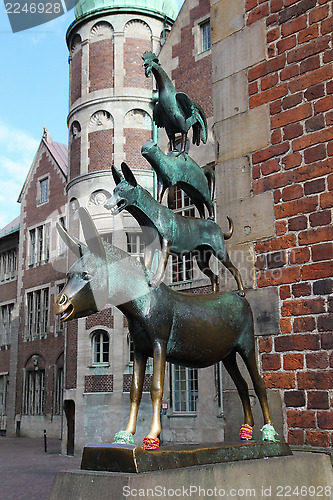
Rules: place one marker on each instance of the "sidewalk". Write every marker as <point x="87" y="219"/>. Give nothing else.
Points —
<point x="26" y="471"/>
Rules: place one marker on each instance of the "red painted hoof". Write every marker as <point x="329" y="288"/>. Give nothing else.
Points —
<point x="246" y="432"/>
<point x="151" y="444"/>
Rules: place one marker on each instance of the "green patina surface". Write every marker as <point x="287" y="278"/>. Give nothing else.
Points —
<point x="167" y="8"/>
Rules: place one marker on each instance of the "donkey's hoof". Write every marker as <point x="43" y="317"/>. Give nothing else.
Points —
<point x="246" y="432"/>
<point x="268" y="433"/>
<point x="123" y="437"/>
<point x="151" y="444"/>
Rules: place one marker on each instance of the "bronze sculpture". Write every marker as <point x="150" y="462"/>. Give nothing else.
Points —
<point x="196" y="330"/>
<point x="176" y="233"/>
<point x="174" y="110"/>
<point x="190" y="330"/>
<point x="179" y="170"/>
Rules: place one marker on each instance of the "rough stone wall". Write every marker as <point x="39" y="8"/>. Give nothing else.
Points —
<point x="295" y="81"/>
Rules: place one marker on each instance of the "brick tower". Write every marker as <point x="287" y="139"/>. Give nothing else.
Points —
<point x="110" y="117"/>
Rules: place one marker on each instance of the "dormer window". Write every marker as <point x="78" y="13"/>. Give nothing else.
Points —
<point x="44" y="190"/>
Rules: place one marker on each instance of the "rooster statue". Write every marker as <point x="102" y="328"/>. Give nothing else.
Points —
<point x="174" y="110"/>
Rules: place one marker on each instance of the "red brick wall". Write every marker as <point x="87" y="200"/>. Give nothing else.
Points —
<point x="134" y="73"/>
<point x="191" y="76"/>
<point x="98" y="383"/>
<point x="45" y="275"/>
<point x="75" y="76"/>
<point x="102" y="318"/>
<point x="100" y="150"/>
<point x="296" y="82"/>
<point x="101" y="64"/>
<point x="71" y="355"/>
<point x="75" y="158"/>
<point x="134" y="139"/>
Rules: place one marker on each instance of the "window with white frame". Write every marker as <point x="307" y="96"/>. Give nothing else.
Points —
<point x="44" y="190"/>
<point x="39" y="245"/>
<point x="8" y="265"/>
<point x="182" y="265"/>
<point x="37" y="314"/>
<point x="101" y="347"/>
<point x="205" y="36"/>
<point x="135" y="245"/>
<point x="34" y="394"/>
<point x="6" y="324"/>
<point x="184" y="389"/>
<point x="3" y="387"/>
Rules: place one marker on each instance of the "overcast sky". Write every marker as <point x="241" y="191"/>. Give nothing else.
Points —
<point x="34" y="94"/>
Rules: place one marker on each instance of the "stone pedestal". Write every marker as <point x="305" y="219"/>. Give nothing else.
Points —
<point x="309" y="474"/>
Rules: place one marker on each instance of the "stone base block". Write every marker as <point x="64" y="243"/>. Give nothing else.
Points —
<point x="303" y="475"/>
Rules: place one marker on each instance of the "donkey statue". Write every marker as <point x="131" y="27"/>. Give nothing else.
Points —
<point x="189" y="330"/>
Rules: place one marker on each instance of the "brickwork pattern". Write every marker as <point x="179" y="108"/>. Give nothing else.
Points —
<point x="296" y="83"/>
<point x="75" y="76"/>
<point x="134" y="73"/>
<point x="75" y="158"/>
<point x="134" y="139"/>
<point x="98" y="383"/>
<point x="101" y="65"/>
<point x="102" y="318"/>
<point x="100" y="150"/>
<point x="50" y="347"/>
<point x="194" y="77"/>
<point x="71" y="355"/>
<point x="127" y="380"/>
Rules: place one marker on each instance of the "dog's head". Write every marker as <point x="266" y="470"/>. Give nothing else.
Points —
<point x="125" y="192"/>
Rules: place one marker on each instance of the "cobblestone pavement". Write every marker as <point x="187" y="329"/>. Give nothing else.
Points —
<point x="26" y="471"/>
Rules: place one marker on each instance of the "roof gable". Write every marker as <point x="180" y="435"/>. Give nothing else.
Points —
<point x="59" y="153"/>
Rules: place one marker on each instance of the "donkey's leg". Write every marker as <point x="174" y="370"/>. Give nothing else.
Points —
<point x="236" y="274"/>
<point x="156" y="389"/>
<point x="231" y="366"/>
<point x="258" y="383"/>
<point x="202" y="258"/>
<point x="139" y="367"/>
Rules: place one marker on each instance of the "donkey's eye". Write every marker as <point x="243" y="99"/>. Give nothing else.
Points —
<point x="87" y="276"/>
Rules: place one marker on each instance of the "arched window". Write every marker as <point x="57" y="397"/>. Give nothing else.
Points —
<point x="101" y="347"/>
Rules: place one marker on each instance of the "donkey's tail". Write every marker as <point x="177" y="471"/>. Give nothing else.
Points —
<point x="231" y="229"/>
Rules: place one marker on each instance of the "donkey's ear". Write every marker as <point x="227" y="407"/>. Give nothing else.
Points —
<point x="128" y="174"/>
<point x="116" y="175"/>
<point x="77" y="247"/>
<point x="91" y="235"/>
